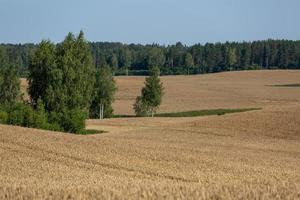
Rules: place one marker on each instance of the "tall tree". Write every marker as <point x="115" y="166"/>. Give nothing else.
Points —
<point x="72" y="83"/>
<point x="156" y="57"/>
<point x="151" y="94"/>
<point x="126" y="59"/>
<point x="232" y="58"/>
<point x="114" y="63"/>
<point x="63" y="78"/>
<point x="266" y="55"/>
<point x="40" y="71"/>
<point x="189" y="62"/>
<point x="9" y="85"/>
<point x="245" y="55"/>
<point x="3" y="57"/>
<point x="103" y="94"/>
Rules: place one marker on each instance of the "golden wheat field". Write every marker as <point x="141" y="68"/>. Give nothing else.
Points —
<point x="250" y="155"/>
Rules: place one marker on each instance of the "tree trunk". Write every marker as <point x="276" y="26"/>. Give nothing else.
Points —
<point x="101" y="111"/>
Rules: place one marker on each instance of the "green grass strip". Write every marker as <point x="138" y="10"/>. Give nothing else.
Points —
<point x="90" y="132"/>
<point x="288" y="85"/>
<point x="196" y="113"/>
<point x="205" y="112"/>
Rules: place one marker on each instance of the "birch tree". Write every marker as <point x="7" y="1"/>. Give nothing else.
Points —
<point x="103" y="95"/>
<point x="151" y="95"/>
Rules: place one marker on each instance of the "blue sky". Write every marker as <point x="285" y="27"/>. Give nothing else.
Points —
<point x="148" y="21"/>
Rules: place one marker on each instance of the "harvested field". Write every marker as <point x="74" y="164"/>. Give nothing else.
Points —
<point x="250" y="155"/>
<point x="223" y="90"/>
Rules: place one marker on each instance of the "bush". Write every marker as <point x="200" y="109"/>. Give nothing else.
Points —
<point x="40" y="118"/>
<point x="21" y="114"/>
<point x="73" y="121"/>
<point x="55" y="120"/>
<point x="28" y="118"/>
<point x="17" y="114"/>
<point x="3" y="117"/>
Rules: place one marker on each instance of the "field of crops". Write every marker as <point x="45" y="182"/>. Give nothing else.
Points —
<point x="248" y="155"/>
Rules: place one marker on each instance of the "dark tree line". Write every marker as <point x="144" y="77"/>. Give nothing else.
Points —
<point x="18" y="55"/>
<point x="135" y="59"/>
<point x="180" y="59"/>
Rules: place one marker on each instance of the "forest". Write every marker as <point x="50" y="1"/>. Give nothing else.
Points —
<point x="135" y="59"/>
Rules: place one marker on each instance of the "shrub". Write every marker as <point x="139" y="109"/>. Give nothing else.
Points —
<point x="22" y="114"/>
<point x="40" y="119"/>
<point x="3" y="117"/>
<point x="55" y="120"/>
<point x="28" y="118"/>
<point x="17" y="114"/>
<point x="73" y="121"/>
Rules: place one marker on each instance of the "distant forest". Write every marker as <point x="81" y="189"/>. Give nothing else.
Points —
<point x="135" y="59"/>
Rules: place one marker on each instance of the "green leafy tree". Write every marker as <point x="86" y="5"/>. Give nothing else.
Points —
<point x="9" y="85"/>
<point x="126" y="59"/>
<point x="267" y="55"/>
<point x="232" y="58"/>
<point x="114" y="63"/>
<point x="245" y="55"/>
<point x="72" y="84"/>
<point x="189" y="62"/>
<point x="103" y="95"/>
<point x="42" y="66"/>
<point x="156" y="57"/>
<point x="151" y="94"/>
<point x="63" y="78"/>
<point x="3" y="57"/>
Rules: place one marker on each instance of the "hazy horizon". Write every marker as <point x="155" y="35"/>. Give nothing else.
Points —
<point x="162" y="22"/>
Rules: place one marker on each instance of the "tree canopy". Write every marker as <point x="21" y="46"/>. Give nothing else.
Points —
<point x="63" y="75"/>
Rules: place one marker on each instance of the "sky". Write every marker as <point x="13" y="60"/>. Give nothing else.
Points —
<point x="149" y="21"/>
